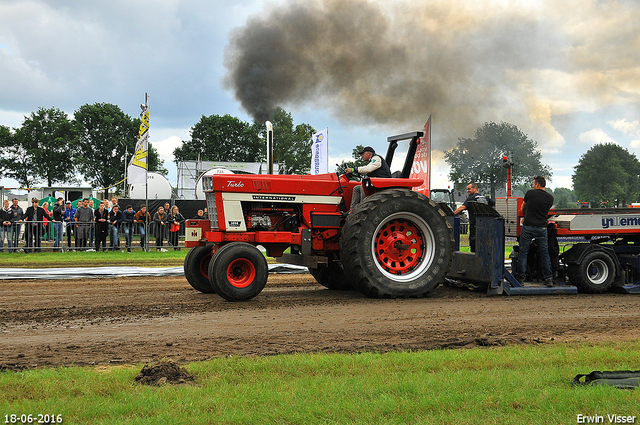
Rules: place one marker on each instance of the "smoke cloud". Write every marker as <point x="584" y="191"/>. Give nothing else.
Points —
<point x="465" y="62"/>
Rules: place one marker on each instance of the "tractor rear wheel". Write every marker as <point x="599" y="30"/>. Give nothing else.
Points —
<point x="594" y="274"/>
<point x="332" y="276"/>
<point x="238" y="271"/>
<point x="196" y="268"/>
<point x="397" y="243"/>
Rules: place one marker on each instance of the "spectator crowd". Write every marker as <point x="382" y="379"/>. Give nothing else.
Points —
<point x="110" y="226"/>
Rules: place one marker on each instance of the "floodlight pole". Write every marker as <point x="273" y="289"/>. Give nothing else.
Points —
<point x="126" y="153"/>
<point x="146" y="184"/>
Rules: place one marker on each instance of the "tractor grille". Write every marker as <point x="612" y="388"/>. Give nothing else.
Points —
<point x="207" y="183"/>
<point x="211" y="207"/>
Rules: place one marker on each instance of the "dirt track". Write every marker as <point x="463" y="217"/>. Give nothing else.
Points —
<point x="127" y="320"/>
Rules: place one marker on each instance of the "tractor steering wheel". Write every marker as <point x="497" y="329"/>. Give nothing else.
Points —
<point x="353" y="176"/>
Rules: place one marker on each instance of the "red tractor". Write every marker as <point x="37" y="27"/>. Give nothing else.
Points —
<point x="395" y="243"/>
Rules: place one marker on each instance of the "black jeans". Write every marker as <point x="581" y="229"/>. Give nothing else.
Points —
<point x="33" y="233"/>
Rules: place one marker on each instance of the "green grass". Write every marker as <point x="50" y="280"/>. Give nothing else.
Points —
<point x="509" y="385"/>
<point x="136" y="258"/>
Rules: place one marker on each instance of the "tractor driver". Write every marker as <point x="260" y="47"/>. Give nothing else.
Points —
<point x="377" y="167"/>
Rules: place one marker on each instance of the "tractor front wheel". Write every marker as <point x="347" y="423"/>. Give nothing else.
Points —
<point x="238" y="271"/>
<point x="196" y="268"/>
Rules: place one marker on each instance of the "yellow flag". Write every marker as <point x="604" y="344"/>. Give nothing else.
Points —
<point x="139" y="165"/>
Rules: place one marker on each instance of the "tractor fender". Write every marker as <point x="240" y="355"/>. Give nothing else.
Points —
<point x="376" y="184"/>
<point x="575" y="255"/>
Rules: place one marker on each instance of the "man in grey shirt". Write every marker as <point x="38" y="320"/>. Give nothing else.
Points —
<point x="84" y="218"/>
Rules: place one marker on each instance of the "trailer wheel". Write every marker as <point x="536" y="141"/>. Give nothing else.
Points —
<point x="332" y="277"/>
<point x="238" y="271"/>
<point x="594" y="274"/>
<point x="196" y="268"/>
<point x="397" y="244"/>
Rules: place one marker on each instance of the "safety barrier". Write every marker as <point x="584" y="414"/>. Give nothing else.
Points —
<point x="39" y="236"/>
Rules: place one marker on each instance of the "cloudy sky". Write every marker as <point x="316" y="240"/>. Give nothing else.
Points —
<point x="567" y="73"/>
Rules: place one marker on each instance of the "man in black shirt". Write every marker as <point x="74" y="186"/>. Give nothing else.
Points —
<point x="474" y="196"/>
<point x="535" y="208"/>
<point x="34" y="217"/>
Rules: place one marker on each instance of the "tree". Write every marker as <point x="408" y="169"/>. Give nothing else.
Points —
<point x="607" y="174"/>
<point x="15" y="162"/>
<point x="564" y="198"/>
<point x="46" y="138"/>
<point x="6" y="141"/>
<point x="103" y="131"/>
<point x="357" y="160"/>
<point x="227" y="138"/>
<point x="155" y="163"/>
<point x="222" y="138"/>
<point x="479" y="160"/>
<point x="291" y="145"/>
<point x="520" y="189"/>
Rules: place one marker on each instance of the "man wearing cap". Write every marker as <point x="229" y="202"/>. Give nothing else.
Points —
<point x="377" y="167"/>
<point x="34" y="217"/>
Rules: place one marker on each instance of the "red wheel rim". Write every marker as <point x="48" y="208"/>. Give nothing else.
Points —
<point x="399" y="246"/>
<point x="241" y="273"/>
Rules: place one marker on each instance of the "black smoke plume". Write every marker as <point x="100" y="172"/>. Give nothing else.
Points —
<point x="393" y="64"/>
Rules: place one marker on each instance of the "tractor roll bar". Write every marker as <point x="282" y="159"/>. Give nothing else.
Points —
<point x="413" y="145"/>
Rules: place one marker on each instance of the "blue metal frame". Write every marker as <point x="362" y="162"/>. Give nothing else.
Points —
<point x="486" y="265"/>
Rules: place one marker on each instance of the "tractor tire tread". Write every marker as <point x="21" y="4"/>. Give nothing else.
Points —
<point x="359" y="220"/>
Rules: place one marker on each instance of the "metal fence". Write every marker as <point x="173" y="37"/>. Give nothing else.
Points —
<point x="40" y="236"/>
<point x="43" y="236"/>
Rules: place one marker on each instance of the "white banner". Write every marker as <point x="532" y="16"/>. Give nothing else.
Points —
<point x="139" y="165"/>
<point x="320" y="152"/>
